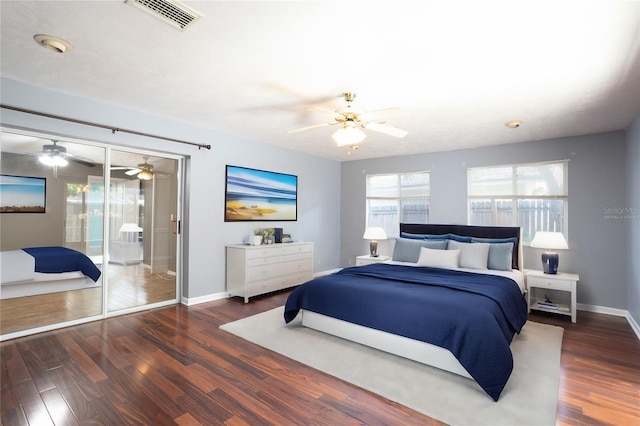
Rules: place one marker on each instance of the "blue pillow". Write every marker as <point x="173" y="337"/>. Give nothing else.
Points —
<point x="437" y="237"/>
<point x="460" y="238"/>
<point x="494" y="240"/>
<point x="408" y="250"/>
<point x="412" y="236"/>
<point x="500" y="256"/>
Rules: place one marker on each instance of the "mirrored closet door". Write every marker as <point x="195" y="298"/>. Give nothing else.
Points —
<point x="142" y="230"/>
<point x="51" y="195"/>
<point x="117" y="210"/>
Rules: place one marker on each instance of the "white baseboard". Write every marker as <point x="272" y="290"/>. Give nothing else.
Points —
<point x="634" y="325"/>
<point x="189" y="301"/>
<point x="218" y="296"/>
<point x="611" y="311"/>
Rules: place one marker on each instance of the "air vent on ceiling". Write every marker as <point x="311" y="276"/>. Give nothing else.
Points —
<point x="171" y="12"/>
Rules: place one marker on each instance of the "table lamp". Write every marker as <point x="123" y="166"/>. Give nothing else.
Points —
<point x="549" y="241"/>
<point x="374" y="233"/>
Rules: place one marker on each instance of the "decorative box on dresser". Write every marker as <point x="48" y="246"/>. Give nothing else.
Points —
<point x="255" y="270"/>
<point x="561" y="281"/>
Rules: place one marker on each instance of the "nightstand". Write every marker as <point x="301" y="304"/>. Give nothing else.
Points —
<point x="561" y="281"/>
<point x="366" y="259"/>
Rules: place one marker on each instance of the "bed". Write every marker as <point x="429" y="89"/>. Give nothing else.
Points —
<point x="424" y="306"/>
<point x="40" y="270"/>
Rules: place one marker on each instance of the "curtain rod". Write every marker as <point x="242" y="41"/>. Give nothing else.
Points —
<point x="114" y="130"/>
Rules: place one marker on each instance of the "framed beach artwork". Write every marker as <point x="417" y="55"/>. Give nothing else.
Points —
<point x="22" y="194"/>
<point x="259" y="195"/>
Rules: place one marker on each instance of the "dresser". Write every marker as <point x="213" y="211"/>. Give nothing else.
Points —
<point x="254" y="270"/>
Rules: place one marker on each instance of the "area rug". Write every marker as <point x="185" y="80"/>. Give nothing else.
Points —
<point x="529" y="398"/>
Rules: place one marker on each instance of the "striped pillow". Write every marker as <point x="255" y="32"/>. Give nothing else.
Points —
<point x="408" y="250"/>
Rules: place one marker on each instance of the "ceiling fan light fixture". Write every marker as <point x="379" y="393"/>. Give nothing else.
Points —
<point x="53" y="160"/>
<point x="145" y="175"/>
<point x="348" y="135"/>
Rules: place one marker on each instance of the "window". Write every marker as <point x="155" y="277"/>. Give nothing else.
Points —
<point x="532" y="196"/>
<point x="396" y="198"/>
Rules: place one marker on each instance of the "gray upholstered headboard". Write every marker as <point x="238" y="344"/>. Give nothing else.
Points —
<point x="471" y="231"/>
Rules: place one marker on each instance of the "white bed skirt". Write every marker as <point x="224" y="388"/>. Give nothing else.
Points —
<point x="64" y="282"/>
<point x="416" y="350"/>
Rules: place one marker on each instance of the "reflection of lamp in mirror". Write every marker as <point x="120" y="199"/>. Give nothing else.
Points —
<point x="130" y="231"/>
<point x="374" y="233"/>
<point x="549" y="241"/>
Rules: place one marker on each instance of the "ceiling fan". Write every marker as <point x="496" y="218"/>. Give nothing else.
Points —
<point x="351" y="120"/>
<point x="143" y="171"/>
<point x="55" y="155"/>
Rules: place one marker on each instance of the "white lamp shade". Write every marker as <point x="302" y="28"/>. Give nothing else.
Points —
<point x="374" y="233"/>
<point x="549" y="240"/>
<point x="130" y="227"/>
<point x="348" y="135"/>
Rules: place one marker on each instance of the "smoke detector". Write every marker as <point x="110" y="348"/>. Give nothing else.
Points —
<point x="171" y="12"/>
<point x="53" y="43"/>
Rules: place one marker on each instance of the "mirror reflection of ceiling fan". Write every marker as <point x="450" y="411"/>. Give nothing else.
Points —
<point x="55" y="155"/>
<point x="143" y="171"/>
<point x="351" y="120"/>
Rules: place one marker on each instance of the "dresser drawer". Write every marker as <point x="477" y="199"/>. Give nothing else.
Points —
<point x="279" y="259"/>
<point x="277" y="283"/>
<point x="550" y="283"/>
<point x="274" y="270"/>
<point x="275" y="250"/>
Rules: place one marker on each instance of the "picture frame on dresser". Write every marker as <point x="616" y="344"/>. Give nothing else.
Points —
<point x="259" y="195"/>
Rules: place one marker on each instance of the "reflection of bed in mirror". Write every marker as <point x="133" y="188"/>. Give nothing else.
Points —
<point x="400" y="308"/>
<point x="42" y="270"/>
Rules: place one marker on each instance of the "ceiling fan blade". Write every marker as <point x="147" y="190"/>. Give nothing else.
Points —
<point x="132" y="172"/>
<point x="381" y="114"/>
<point x="386" y="128"/>
<point x="315" y="126"/>
<point x="322" y="109"/>
<point x="122" y="168"/>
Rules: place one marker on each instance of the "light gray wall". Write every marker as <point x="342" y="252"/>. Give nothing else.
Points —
<point x="597" y="179"/>
<point x="20" y="230"/>
<point x="206" y="232"/>
<point x="633" y="221"/>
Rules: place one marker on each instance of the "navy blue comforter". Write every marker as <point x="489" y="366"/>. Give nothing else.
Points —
<point x="475" y="316"/>
<point x="54" y="260"/>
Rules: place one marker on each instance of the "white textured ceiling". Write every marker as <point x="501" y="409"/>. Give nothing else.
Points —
<point x="459" y="69"/>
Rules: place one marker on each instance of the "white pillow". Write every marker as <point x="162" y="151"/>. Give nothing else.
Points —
<point x="472" y="255"/>
<point x="447" y="259"/>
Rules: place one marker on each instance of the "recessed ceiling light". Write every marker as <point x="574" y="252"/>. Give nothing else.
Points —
<point x="513" y="124"/>
<point x="54" y="43"/>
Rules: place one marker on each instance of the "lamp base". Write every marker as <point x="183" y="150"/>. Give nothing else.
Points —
<point x="550" y="262"/>
<point x="373" y="248"/>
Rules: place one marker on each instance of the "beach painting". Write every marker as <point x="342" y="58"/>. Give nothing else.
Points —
<point x="259" y="195"/>
<point x="20" y="194"/>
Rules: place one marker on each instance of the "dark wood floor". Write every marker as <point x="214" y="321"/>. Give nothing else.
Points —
<point x="174" y="366"/>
